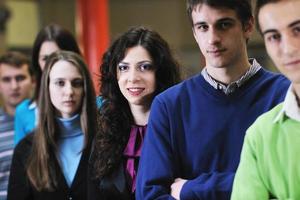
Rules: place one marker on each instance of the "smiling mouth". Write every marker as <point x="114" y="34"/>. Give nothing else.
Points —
<point x="135" y="91"/>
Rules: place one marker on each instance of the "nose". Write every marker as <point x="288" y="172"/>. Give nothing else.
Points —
<point x="213" y="36"/>
<point x="14" y="84"/>
<point x="69" y="90"/>
<point x="289" y="45"/>
<point x="133" y="75"/>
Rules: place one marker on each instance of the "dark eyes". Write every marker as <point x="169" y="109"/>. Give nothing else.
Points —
<point x="77" y="83"/>
<point x="224" y="25"/>
<point x="273" y="37"/>
<point x="201" y="27"/>
<point x="17" y="78"/>
<point x="45" y="58"/>
<point x="141" y="67"/>
<point x="145" y="67"/>
<point x="296" y="30"/>
<point x="123" y="68"/>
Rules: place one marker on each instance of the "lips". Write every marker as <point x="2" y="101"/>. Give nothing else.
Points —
<point x="292" y="63"/>
<point x="68" y="102"/>
<point x="135" y="91"/>
<point x="216" y="51"/>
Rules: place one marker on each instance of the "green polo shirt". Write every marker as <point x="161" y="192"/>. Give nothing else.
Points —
<point x="270" y="159"/>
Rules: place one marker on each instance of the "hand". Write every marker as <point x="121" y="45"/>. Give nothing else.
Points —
<point x="176" y="187"/>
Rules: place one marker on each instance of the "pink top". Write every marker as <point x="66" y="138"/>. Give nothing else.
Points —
<point x="132" y="151"/>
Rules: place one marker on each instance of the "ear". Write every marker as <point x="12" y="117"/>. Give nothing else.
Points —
<point x="249" y="27"/>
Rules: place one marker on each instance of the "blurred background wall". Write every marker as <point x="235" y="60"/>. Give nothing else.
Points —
<point x="168" y="17"/>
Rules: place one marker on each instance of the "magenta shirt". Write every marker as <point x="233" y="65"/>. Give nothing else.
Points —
<point x="132" y="151"/>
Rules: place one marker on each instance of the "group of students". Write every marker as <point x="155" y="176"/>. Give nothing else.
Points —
<point x="195" y="143"/>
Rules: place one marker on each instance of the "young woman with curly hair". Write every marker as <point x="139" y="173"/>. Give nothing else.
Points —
<point x="138" y="66"/>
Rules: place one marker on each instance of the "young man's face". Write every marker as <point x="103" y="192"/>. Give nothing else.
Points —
<point x="15" y="84"/>
<point x="220" y="35"/>
<point x="280" y="26"/>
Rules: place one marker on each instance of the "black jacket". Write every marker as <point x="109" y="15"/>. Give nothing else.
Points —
<point x="113" y="187"/>
<point x="19" y="187"/>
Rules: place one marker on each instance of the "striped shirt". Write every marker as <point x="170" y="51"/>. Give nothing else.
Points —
<point x="230" y="88"/>
<point x="6" y="150"/>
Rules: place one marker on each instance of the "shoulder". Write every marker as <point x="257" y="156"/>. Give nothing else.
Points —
<point x="274" y="76"/>
<point x="23" y="106"/>
<point x="265" y="123"/>
<point x="24" y="146"/>
<point x="181" y="90"/>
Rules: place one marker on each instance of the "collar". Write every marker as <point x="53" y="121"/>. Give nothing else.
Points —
<point x="290" y="107"/>
<point x="230" y="88"/>
<point x="32" y="105"/>
<point x="69" y="127"/>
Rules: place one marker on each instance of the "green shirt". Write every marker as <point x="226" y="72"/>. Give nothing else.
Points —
<point x="270" y="159"/>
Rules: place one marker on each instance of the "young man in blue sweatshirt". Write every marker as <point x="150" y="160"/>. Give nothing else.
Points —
<point x="196" y="128"/>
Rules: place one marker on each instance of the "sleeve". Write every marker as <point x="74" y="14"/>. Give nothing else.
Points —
<point x="247" y="182"/>
<point x="214" y="185"/>
<point x="18" y="185"/>
<point x="156" y="168"/>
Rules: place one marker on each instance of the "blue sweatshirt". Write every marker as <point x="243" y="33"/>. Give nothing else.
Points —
<point x="70" y="144"/>
<point x="196" y="132"/>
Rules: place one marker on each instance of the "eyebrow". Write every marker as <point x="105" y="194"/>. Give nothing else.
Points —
<point x="274" y="30"/>
<point x="218" y="21"/>
<point x="294" y="23"/>
<point x="141" y="62"/>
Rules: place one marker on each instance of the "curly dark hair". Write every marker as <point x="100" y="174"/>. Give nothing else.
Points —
<point x="115" y="115"/>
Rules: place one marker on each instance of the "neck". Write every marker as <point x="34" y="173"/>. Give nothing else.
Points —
<point x="69" y="126"/>
<point x="140" y="114"/>
<point x="9" y="110"/>
<point x="230" y="73"/>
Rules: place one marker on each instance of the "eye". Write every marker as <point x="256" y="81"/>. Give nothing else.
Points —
<point x="77" y="83"/>
<point x="272" y="37"/>
<point x="122" y="68"/>
<point x="45" y="58"/>
<point x="59" y="83"/>
<point x="6" y="79"/>
<point x="296" y="30"/>
<point x="145" y="67"/>
<point x="201" y="27"/>
<point x="20" y="78"/>
<point x="224" y="25"/>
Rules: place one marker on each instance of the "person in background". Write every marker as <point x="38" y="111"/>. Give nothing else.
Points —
<point x="269" y="166"/>
<point x="51" y="163"/>
<point x="16" y="84"/>
<point x="138" y="66"/>
<point x="50" y="39"/>
<point x="196" y="128"/>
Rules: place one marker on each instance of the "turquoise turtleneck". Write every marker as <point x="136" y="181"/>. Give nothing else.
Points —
<point x="70" y="146"/>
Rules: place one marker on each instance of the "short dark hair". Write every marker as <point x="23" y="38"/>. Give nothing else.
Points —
<point x="55" y="33"/>
<point x="259" y="5"/>
<point x="16" y="59"/>
<point x="243" y="8"/>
